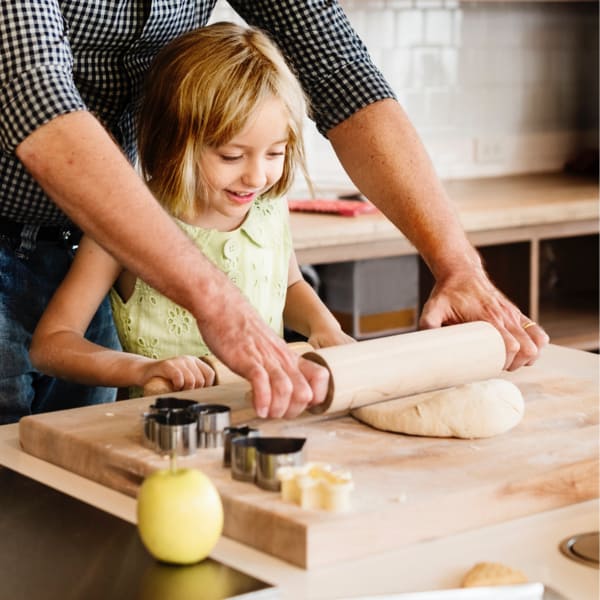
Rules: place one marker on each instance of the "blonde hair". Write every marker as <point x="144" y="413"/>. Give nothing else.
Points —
<point x="200" y="91"/>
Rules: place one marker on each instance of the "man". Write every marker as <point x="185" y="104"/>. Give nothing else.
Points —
<point x="70" y="80"/>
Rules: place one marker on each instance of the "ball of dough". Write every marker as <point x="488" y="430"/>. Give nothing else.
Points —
<point x="474" y="410"/>
<point x="488" y="573"/>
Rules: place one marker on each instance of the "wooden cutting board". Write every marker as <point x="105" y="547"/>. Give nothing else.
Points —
<point x="407" y="488"/>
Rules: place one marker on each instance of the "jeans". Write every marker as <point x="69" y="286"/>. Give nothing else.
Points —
<point x="30" y="271"/>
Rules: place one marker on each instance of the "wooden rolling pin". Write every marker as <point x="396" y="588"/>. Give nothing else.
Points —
<point x="402" y="365"/>
<point x="223" y="374"/>
<point x="392" y="367"/>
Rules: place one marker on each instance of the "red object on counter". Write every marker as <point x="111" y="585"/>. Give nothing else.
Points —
<point x="346" y="208"/>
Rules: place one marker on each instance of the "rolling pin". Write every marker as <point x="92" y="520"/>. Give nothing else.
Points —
<point x="223" y="375"/>
<point x="380" y="369"/>
<point x="402" y="365"/>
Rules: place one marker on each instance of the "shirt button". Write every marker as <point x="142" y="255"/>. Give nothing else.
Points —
<point x="231" y="249"/>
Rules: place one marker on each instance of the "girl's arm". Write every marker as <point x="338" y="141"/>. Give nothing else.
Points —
<point x="82" y="170"/>
<point x="60" y="349"/>
<point x="305" y="312"/>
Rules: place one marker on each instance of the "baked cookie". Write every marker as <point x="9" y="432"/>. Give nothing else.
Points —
<point x="489" y="573"/>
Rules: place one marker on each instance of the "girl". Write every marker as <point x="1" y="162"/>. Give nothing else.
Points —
<point x="220" y="135"/>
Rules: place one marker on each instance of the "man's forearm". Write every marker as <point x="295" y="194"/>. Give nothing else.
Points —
<point x="382" y="153"/>
<point x="85" y="173"/>
<point x="82" y="170"/>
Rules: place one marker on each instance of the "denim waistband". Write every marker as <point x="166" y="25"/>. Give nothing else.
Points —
<point x="54" y="233"/>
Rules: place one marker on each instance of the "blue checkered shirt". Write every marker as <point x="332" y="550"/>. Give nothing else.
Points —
<point x="59" y="56"/>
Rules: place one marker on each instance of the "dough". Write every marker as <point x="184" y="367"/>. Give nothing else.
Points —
<point x="487" y="573"/>
<point x="474" y="410"/>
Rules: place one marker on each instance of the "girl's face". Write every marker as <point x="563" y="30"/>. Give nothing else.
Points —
<point x="244" y="168"/>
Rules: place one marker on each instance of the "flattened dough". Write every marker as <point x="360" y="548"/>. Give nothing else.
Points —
<point x="474" y="410"/>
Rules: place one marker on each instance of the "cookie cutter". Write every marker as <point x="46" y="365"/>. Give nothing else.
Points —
<point x="212" y="421"/>
<point x="181" y="426"/>
<point x="230" y="433"/>
<point x="258" y="458"/>
<point x="170" y="404"/>
<point x="174" y="432"/>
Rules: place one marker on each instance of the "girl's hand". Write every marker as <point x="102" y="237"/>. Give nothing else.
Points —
<point x="329" y="337"/>
<point x="176" y="374"/>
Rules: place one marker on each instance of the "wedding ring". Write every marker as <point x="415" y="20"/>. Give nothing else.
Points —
<point x="529" y="324"/>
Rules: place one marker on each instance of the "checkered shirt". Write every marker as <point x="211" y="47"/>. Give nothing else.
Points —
<point x="59" y="56"/>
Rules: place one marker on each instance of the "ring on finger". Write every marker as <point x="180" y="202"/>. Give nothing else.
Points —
<point x="529" y="324"/>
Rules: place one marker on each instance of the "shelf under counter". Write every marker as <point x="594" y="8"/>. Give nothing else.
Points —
<point x="495" y="212"/>
<point x="573" y="324"/>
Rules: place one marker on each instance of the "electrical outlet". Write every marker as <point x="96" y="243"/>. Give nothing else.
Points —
<point x="490" y="149"/>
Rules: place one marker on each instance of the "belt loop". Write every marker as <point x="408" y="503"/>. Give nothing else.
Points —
<point x="28" y="241"/>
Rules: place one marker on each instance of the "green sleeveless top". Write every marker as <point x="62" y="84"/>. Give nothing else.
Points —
<point x="255" y="257"/>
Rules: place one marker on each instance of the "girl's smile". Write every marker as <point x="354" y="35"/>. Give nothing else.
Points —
<point x="242" y="197"/>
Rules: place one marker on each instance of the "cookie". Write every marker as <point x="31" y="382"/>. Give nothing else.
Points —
<point x="488" y="573"/>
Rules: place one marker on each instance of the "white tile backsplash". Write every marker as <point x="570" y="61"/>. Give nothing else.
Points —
<point x="522" y="74"/>
<point x="380" y="28"/>
<point x="409" y="28"/>
<point x="439" y="28"/>
<point x="397" y="65"/>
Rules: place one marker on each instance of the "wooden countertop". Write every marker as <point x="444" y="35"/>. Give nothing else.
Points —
<point x="529" y="543"/>
<point x="491" y="210"/>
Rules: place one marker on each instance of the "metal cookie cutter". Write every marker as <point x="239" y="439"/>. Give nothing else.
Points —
<point x="182" y="426"/>
<point x="170" y="427"/>
<point x="212" y="421"/>
<point x="174" y="432"/>
<point x="258" y="458"/>
<point x="232" y="433"/>
<point x="169" y="404"/>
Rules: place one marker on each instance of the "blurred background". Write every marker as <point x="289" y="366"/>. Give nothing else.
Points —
<point x="493" y="88"/>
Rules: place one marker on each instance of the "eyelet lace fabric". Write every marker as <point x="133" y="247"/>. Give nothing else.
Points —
<point x="255" y="257"/>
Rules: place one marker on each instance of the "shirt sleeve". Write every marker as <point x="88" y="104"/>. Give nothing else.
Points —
<point x="331" y="62"/>
<point x="36" y="69"/>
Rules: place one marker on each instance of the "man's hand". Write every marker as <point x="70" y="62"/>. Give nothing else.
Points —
<point x="283" y="384"/>
<point x="470" y="296"/>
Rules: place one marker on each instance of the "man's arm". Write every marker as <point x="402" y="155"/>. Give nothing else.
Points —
<point x="83" y="171"/>
<point x="385" y="158"/>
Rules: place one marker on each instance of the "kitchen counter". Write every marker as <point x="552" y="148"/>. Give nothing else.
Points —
<point x="491" y="210"/>
<point x="530" y="543"/>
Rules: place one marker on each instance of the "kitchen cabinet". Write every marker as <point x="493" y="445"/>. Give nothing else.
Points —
<point x="538" y="235"/>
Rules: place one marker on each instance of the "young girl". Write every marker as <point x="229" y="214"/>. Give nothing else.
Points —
<point x="220" y="136"/>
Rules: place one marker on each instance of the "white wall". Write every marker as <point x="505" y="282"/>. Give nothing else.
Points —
<point x="492" y="88"/>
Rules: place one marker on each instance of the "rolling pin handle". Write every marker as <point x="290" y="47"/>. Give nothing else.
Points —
<point x="156" y="386"/>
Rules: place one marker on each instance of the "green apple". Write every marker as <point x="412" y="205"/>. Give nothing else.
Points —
<point x="179" y="515"/>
